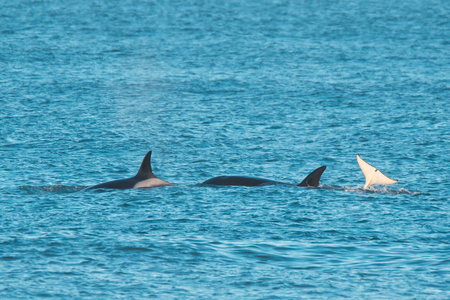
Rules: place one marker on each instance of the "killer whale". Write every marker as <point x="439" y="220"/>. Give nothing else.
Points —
<point x="372" y="174"/>
<point x="312" y="180"/>
<point x="143" y="179"/>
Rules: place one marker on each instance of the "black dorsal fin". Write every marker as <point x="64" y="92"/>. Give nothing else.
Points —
<point x="145" y="171"/>
<point x="313" y="179"/>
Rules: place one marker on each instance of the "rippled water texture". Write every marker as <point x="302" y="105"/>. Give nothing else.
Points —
<point x="271" y="89"/>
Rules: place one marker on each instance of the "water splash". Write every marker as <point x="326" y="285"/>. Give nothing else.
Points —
<point x="372" y="189"/>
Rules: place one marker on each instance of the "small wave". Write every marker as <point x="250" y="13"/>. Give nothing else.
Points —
<point x="55" y="189"/>
<point x="133" y="249"/>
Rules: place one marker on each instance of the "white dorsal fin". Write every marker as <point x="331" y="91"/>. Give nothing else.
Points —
<point x="373" y="176"/>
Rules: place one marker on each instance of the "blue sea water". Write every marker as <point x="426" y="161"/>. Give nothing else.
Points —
<point x="272" y="89"/>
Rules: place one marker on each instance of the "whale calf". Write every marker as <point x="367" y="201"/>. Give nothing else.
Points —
<point x="312" y="180"/>
<point x="143" y="179"/>
<point x="372" y="174"/>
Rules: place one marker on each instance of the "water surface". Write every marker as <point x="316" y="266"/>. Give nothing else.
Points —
<point x="271" y="89"/>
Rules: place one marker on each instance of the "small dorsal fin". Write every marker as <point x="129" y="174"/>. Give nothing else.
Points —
<point x="372" y="174"/>
<point x="313" y="179"/>
<point x="145" y="171"/>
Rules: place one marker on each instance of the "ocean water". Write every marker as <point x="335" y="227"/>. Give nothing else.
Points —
<point x="272" y="89"/>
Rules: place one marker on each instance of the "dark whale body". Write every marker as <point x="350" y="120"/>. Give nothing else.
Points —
<point x="312" y="180"/>
<point x="143" y="179"/>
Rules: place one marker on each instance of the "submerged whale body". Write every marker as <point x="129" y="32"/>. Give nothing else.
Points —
<point x="143" y="179"/>
<point x="372" y="174"/>
<point x="312" y="180"/>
